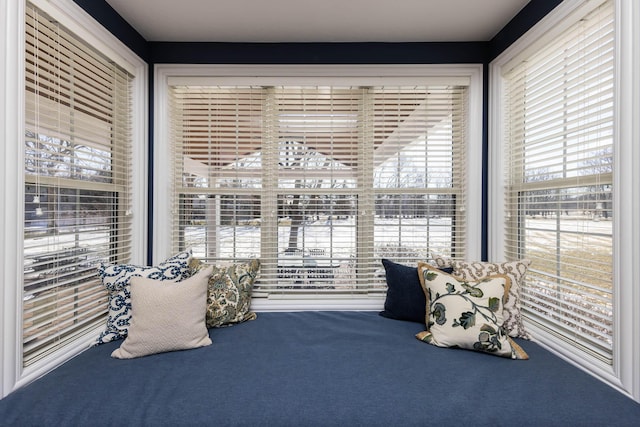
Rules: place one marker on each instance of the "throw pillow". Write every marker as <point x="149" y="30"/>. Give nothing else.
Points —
<point x="117" y="279"/>
<point x="166" y="316"/>
<point x="441" y="261"/>
<point x="465" y="314"/>
<point x="229" y="292"/>
<point x="405" y="298"/>
<point x="515" y="271"/>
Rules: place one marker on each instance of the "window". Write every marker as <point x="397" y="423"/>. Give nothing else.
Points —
<point x="559" y="118"/>
<point x="319" y="182"/>
<point x="77" y="206"/>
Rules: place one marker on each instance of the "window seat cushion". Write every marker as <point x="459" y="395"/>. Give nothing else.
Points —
<point x="318" y="369"/>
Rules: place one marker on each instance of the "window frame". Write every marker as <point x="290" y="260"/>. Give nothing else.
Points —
<point x="624" y="373"/>
<point x="12" y="117"/>
<point x="315" y="75"/>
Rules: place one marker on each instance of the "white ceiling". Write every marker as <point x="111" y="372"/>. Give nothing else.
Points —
<point x="318" y="20"/>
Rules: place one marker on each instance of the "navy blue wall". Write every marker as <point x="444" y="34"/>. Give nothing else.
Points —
<point x="533" y="12"/>
<point x="102" y="12"/>
<point x="318" y="53"/>
<point x="482" y="52"/>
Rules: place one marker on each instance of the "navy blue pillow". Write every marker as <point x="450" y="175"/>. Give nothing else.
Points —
<point x="405" y="298"/>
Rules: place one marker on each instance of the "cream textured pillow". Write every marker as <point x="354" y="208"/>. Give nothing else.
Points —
<point x="166" y="316"/>
<point x="466" y="314"/>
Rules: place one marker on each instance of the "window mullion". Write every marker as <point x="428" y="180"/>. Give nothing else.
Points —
<point x="269" y="193"/>
<point x="366" y="196"/>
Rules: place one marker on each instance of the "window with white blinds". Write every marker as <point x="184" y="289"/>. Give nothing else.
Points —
<point x="318" y="182"/>
<point x="77" y="176"/>
<point x="560" y="120"/>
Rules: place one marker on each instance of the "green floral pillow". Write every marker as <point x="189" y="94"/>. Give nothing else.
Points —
<point x="466" y="314"/>
<point x="477" y="270"/>
<point x="515" y="271"/>
<point x="229" y="292"/>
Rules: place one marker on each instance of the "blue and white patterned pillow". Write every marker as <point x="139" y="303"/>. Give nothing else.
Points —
<point x="117" y="280"/>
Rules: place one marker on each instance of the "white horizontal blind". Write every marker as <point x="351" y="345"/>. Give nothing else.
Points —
<point x="420" y="172"/>
<point x="560" y="130"/>
<point x="216" y="134"/>
<point x="77" y="177"/>
<point x="318" y="182"/>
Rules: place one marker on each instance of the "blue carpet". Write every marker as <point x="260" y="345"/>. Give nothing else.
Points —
<point x="318" y="369"/>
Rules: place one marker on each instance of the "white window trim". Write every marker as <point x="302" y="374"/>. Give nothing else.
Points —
<point x="314" y="74"/>
<point x="12" y="118"/>
<point x="625" y="372"/>
<point x="12" y="127"/>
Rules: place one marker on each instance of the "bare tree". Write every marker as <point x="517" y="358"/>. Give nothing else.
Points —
<point x="600" y="163"/>
<point x="297" y="156"/>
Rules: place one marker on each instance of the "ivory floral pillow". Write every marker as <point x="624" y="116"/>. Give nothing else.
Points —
<point x="465" y="314"/>
<point x="515" y="271"/>
<point x="476" y="270"/>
